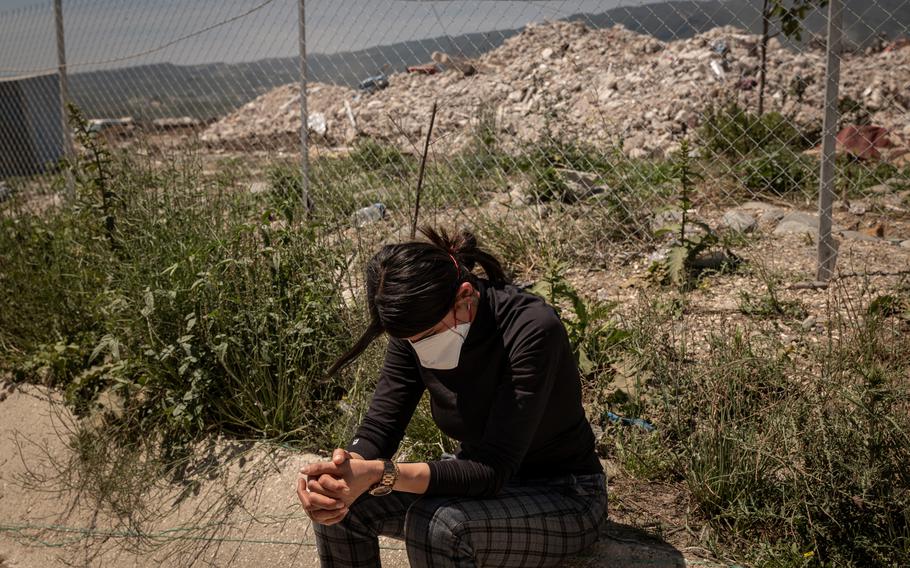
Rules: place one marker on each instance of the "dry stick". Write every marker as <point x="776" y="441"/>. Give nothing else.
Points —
<point x="423" y="164"/>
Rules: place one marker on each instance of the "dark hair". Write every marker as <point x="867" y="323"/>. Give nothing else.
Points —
<point x="411" y="286"/>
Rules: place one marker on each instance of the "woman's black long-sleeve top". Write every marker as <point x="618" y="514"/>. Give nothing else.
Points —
<point x="513" y="402"/>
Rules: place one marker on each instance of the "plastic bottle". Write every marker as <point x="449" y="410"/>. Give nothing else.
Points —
<point x="369" y="214"/>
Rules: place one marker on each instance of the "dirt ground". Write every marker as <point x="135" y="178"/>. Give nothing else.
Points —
<point x="863" y="270"/>
<point x="251" y="499"/>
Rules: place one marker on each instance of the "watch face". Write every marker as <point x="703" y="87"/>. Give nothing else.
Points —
<point x="381" y="490"/>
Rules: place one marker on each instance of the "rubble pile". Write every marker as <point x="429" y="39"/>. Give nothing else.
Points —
<point x="275" y="116"/>
<point x="605" y="85"/>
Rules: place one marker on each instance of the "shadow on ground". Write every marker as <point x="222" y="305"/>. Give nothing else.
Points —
<point x="627" y="546"/>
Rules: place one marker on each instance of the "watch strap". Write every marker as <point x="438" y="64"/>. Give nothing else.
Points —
<point x="387" y="480"/>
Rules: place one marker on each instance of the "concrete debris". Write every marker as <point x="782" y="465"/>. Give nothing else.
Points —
<point x="858" y="207"/>
<point x="316" y="124"/>
<point x="739" y="221"/>
<point x="460" y="64"/>
<point x="275" y="117"/>
<point x="880" y="189"/>
<point x="595" y="85"/>
<point x="102" y="124"/>
<point x="178" y="122"/>
<point x="797" y="222"/>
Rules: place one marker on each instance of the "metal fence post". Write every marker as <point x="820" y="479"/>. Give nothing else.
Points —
<point x="64" y="98"/>
<point x="304" y="116"/>
<point x="827" y="246"/>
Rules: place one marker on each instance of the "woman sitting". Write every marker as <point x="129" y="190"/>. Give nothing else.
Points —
<point x="525" y="488"/>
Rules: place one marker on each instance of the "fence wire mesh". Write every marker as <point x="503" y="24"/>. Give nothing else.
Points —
<point x="196" y="283"/>
<point x="550" y="114"/>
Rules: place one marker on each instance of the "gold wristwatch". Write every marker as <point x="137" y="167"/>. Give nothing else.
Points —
<point x="388" y="479"/>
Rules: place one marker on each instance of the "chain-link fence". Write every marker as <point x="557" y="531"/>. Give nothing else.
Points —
<point x="548" y="114"/>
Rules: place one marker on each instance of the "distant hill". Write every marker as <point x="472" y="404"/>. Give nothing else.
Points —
<point x="212" y="90"/>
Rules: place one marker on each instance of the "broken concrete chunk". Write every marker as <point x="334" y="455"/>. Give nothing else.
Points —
<point x="739" y="221"/>
<point x="797" y="222"/>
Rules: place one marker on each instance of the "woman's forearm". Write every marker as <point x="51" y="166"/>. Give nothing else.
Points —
<point x="413" y="478"/>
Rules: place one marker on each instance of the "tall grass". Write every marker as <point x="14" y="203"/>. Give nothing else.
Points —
<point x="194" y="303"/>
<point x="793" y="456"/>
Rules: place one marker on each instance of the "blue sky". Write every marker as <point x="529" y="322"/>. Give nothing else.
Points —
<point x="110" y="33"/>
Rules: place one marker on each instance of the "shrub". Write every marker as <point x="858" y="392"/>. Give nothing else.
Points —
<point x="553" y="153"/>
<point x="732" y="131"/>
<point x="855" y="176"/>
<point x="194" y="309"/>
<point x="369" y="154"/>
<point x="779" y="170"/>
<point x="592" y="333"/>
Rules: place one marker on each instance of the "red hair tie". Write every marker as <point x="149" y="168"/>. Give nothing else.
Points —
<point x="457" y="268"/>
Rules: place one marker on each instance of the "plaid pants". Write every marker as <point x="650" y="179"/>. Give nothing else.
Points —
<point x="529" y="523"/>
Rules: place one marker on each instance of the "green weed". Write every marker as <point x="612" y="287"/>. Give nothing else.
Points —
<point x="592" y="332"/>
<point x="681" y="264"/>
<point x="731" y="131"/>
<point x="778" y="170"/>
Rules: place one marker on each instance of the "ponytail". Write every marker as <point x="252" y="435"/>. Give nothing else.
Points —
<point x="463" y="247"/>
<point x="373" y="331"/>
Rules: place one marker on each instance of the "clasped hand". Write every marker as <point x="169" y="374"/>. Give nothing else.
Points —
<point x="327" y="489"/>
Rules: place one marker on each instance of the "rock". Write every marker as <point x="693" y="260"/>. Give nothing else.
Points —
<point x="880" y="189"/>
<point x="665" y="219"/>
<point x="759" y="206"/>
<point x="715" y="260"/>
<point x="316" y="124"/>
<point x="634" y="142"/>
<point x="905" y="244"/>
<point x="858" y="208"/>
<point x="768" y="213"/>
<point x="520" y="196"/>
<point x="259" y="187"/>
<point x="808" y="323"/>
<point x="547" y="53"/>
<point x="5" y="192"/>
<point x="772" y="215"/>
<point x="858" y="236"/>
<point x="580" y="185"/>
<point x="797" y="222"/>
<point x="739" y="221"/>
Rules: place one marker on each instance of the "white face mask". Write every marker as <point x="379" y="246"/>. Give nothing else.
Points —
<point x="442" y="351"/>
